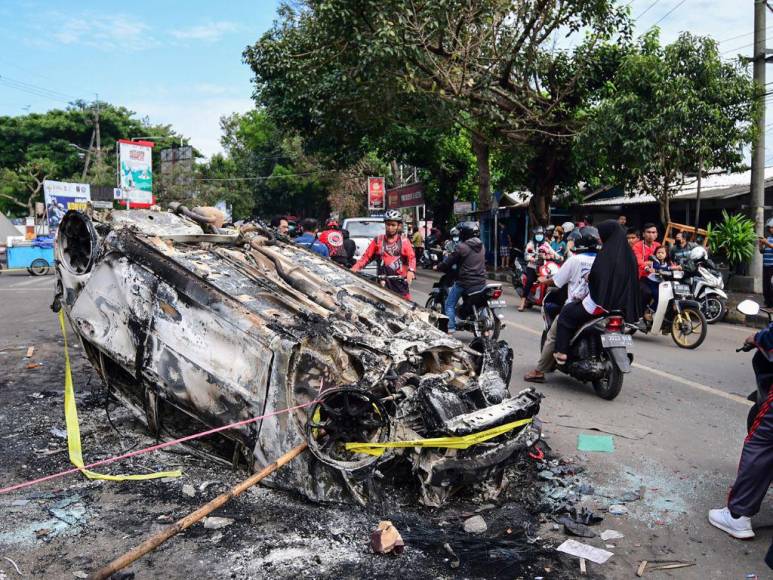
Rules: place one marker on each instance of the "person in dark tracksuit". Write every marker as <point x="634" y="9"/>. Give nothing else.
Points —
<point x="755" y="469"/>
<point x="766" y="249"/>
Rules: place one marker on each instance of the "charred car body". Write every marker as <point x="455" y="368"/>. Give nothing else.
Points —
<point x="195" y="326"/>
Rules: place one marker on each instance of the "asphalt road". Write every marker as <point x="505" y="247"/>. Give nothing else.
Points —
<point x="679" y="421"/>
<point x="683" y="414"/>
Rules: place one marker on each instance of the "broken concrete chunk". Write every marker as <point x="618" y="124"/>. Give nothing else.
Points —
<point x="80" y="574"/>
<point x="385" y="539"/>
<point x="189" y="490"/>
<point x="475" y="525"/>
<point x="216" y="523"/>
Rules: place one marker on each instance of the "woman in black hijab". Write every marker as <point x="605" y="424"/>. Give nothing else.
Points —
<point x="613" y="284"/>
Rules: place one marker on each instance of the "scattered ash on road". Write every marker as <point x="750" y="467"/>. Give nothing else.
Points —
<point x="72" y="524"/>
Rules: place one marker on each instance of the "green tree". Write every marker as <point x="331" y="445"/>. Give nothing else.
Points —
<point x="343" y="73"/>
<point x="667" y="111"/>
<point x="22" y="186"/>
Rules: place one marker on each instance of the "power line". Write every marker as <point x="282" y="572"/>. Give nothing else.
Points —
<point x="667" y="14"/>
<point x="740" y="36"/>
<point x="37" y="87"/>
<point x="647" y="9"/>
<point x="36" y="91"/>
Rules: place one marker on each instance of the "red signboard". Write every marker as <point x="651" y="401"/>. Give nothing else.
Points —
<point x="409" y="195"/>
<point x="376" y="190"/>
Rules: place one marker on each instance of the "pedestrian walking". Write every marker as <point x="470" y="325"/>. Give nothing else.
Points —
<point x="504" y="246"/>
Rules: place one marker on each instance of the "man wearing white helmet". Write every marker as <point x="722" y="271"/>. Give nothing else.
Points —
<point x="397" y="261"/>
<point x="766" y="249"/>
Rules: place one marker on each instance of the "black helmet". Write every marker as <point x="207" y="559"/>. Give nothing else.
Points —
<point x="589" y="240"/>
<point x="468" y="230"/>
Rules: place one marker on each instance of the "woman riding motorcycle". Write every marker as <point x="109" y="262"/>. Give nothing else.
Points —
<point x="537" y="248"/>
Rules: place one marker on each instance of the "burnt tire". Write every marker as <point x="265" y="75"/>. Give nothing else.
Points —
<point x="609" y="387"/>
<point x="38" y="267"/>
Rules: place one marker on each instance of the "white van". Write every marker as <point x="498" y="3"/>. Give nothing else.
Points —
<point x="362" y="230"/>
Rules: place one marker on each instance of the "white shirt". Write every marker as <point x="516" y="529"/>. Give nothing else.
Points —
<point x="575" y="272"/>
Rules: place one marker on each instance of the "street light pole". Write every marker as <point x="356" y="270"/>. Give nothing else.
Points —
<point x="758" y="148"/>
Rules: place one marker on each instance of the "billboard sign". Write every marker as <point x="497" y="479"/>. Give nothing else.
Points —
<point x="410" y="195"/>
<point x="376" y="199"/>
<point x="136" y="170"/>
<point x="463" y="207"/>
<point x="60" y="197"/>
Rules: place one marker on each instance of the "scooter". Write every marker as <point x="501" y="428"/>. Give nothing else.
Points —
<point x="763" y="363"/>
<point x="477" y="312"/>
<point x="430" y="257"/>
<point x="677" y="313"/>
<point x="545" y="269"/>
<point x="707" y="285"/>
<point x="598" y="352"/>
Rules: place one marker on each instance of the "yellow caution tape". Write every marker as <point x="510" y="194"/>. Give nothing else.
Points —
<point x="462" y="442"/>
<point x="73" y="429"/>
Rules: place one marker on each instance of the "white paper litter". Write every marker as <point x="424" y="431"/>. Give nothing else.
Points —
<point x="607" y="535"/>
<point x="575" y="548"/>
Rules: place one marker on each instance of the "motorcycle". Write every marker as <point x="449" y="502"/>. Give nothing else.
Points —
<point x="545" y="269"/>
<point x="677" y="313"/>
<point x="598" y="352"/>
<point x="765" y="363"/>
<point x="477" y="312"/>
<point x="707" y="286"/>
<point x="430" y="257"/>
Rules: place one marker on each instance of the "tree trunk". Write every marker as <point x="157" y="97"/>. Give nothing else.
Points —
<point x="665" y="208"/>
<point x="481" y="150"/>
<point x="543" y="186"/>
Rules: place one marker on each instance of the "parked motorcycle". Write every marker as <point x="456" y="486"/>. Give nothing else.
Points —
<point x="598" y="352"/>
<point x="477" y="312"/>
<point x="677" y="313"/>
<point x="706" y="285"/>
<point x="763" y="363"/>
<point x="545" y="268"/>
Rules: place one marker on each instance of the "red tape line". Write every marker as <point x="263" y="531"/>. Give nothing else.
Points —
<point x="151" y="448"/>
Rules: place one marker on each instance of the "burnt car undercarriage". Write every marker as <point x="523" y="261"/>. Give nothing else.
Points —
<point x="195" y="326"/>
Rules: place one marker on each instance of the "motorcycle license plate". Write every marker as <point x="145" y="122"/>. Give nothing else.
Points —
<point x="497" y="303"/>
<point x="681" y="288"/>
<point x="613" y="340"/>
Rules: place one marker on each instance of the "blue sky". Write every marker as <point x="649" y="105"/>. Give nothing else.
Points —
<point x="179" y="62"/>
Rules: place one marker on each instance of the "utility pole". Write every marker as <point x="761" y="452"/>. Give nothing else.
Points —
<point x="758" y="149"/>
<point x="98" y="144"/>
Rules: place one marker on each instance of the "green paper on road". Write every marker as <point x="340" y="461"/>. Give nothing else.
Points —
<point x="603" y="443"/>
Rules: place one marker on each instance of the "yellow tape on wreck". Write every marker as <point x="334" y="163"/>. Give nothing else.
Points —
<point x="73" y="428"/>
<point x="462" y="442"/>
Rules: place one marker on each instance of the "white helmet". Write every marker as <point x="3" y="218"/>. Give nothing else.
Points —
<point x="698" y="253"/>
<point x="392" y="215"/>
<point x="567" y="227"/>
<point x="769" y="223"/>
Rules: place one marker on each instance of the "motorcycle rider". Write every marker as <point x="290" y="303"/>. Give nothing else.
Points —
<point x="568" y="228"/>
<point x="394" y="252"/>
<point x="643" y="249"/>
<point x="469" y="257"/>
<point x="452" y="242"/>
<point x="611" y="287"/>
<point x="309" y="238"/>
<point x="680" y="251"/>
<point x="574" y="276"/>
<point x="755" y="469"/>
<point x="333" y="239"/>
<point x="350" y="247"/>
<point x="538" y="247"/>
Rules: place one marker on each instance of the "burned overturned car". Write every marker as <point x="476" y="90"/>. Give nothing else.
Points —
<point x="195" y="326"/>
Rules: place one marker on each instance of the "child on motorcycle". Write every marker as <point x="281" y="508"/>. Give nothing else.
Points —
<point x="657" y="263"/>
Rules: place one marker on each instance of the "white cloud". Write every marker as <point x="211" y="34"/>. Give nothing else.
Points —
<point x="199" y="120"/>
<point x="105" y="32"/>
<point x="205" y="32"/>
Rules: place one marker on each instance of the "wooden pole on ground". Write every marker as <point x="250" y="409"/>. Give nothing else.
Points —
<point x="155" y="541"/>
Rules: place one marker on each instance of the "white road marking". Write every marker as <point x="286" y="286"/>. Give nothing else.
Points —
<point x="30" y="282"/>
<point x="671" y="377"/>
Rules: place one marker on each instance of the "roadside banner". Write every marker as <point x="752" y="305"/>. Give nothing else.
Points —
<point x="61" y="196"/>
<point x="410" y="195"/>
<point x="376" y="199"/>
<point x="136" y="171"/>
